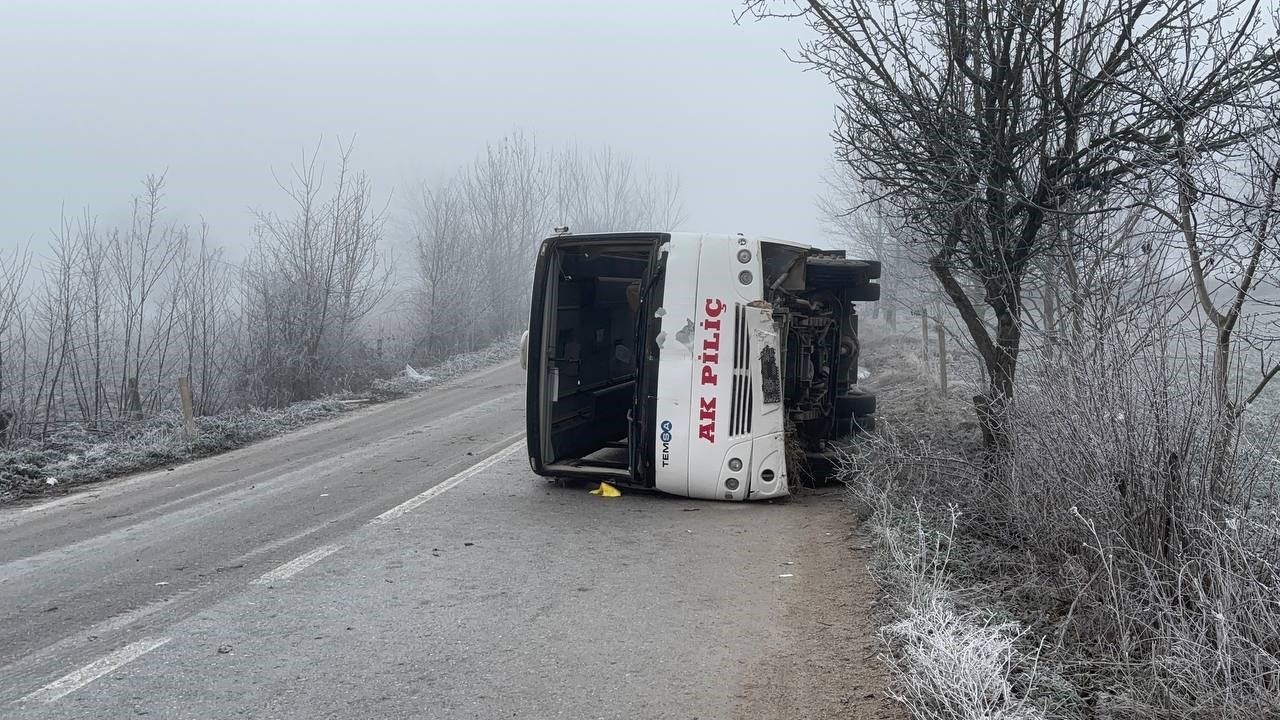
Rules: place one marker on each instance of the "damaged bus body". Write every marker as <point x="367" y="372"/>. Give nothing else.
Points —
<point x="688" y="363"/>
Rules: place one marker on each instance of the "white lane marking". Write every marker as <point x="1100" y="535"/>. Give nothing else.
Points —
<point x="297" y="565"/>
<point x="456" y="480"/>
<point x="159" y="515"/>
<point x="72" y="682"/>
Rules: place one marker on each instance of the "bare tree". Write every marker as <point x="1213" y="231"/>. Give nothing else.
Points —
<point x="663" y="200"/>
<point x="475" y="235"/>
<point x="203" y="291"/>
<point x="314" y="276"/>
<point x="854" y="221"/>
<point x="56" y="315"/>
<point x="140" y="258"/>
<point x="14" y="267"/>
<point x="96" y="293"/>
<point x="982" y="122"/>
<point x="505" y="192"/>
<point x="601" y="189"/>
<point x="1224" y="211"/>
<point x="448" y="267"/>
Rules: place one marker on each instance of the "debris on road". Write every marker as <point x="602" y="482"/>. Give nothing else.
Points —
<point x="415" y="376"/>
<point x="607" y="490"/>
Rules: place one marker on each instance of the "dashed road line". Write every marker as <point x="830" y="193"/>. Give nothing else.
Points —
<point x="297" y="565"/>
<point x="418" y="500"/>
<point x="69" y="683"/>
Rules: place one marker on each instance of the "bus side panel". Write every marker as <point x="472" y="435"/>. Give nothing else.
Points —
<point x="676" y="366"/>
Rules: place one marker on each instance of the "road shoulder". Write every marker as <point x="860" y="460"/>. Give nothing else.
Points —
<point x="825" y="664"/>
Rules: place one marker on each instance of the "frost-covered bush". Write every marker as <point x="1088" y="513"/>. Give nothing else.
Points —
<point x="1146" y="504"/>
<point x="410" y="380"/>
<point x="948" y="663"/>
<point x="1108" y="545"/>
<point x="73" y="455"/>
<point x="956" y="666"/>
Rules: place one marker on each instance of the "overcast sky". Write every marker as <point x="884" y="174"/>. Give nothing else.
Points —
<point x="220" y="93"/>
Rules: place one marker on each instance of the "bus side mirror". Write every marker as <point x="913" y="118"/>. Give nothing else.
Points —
<point x="524" y="350"/>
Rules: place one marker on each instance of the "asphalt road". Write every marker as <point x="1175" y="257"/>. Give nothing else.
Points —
<point x="403" y="562"/>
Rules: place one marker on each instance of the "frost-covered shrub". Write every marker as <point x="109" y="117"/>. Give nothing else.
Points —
<point x="948" y="663"/>
<point x="73" y="455"/>
<point x="956" y="666"/>
<point x="1143" y="576"/>
<point x="1121" y="464"/>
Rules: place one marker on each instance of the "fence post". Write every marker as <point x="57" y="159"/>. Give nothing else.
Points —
<point x="942" y="357"/>
<point x="924" y="336"/>
<point x="1050" y="322"/>
<point x="188" y="412"/>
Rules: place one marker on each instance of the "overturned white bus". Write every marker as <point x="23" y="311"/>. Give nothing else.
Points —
<point x="681" y="362"/>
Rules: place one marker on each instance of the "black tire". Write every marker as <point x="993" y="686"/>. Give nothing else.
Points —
<point x="841" y="428"/>
<point x="824" y="467"/>
<point x="855" y="403"/>
<point x="844" y="427"/>
<point x="824" y="273"/>
<point x="868" y="292"/>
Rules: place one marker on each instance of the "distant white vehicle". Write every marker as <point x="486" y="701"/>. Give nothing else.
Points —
<point x="680" y="362"/>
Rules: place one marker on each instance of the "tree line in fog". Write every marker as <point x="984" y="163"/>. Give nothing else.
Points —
<point x="338" y="286"/>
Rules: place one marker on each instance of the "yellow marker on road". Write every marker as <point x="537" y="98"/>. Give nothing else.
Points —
<point x="607" y="490"/>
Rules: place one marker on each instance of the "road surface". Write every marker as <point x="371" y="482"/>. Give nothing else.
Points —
<point x="403" y="562"/>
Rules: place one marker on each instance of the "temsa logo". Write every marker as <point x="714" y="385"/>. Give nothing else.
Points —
<point x="710" y="359"/>
<point x="666" y="442"/>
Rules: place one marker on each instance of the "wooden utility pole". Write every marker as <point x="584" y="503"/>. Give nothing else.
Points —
<point x="924" y="335"/>
<point x="942" y="357"/>
<point x="188" y="411"/>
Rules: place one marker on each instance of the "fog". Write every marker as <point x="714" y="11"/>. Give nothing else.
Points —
<point x="218" y="95"/>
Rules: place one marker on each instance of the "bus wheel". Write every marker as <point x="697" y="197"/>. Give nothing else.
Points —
<point x="857" y="402"/>
<point x="838" y="273"/>
<point x="866" y="292"/>
<point x="844" y="427"/>
<point x="824" y="467"/>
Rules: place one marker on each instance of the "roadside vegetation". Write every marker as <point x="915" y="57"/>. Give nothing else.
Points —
<point x="75" y="454"/>
<point x="1079" y="202"/>
<point x="1097" y="578"/>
